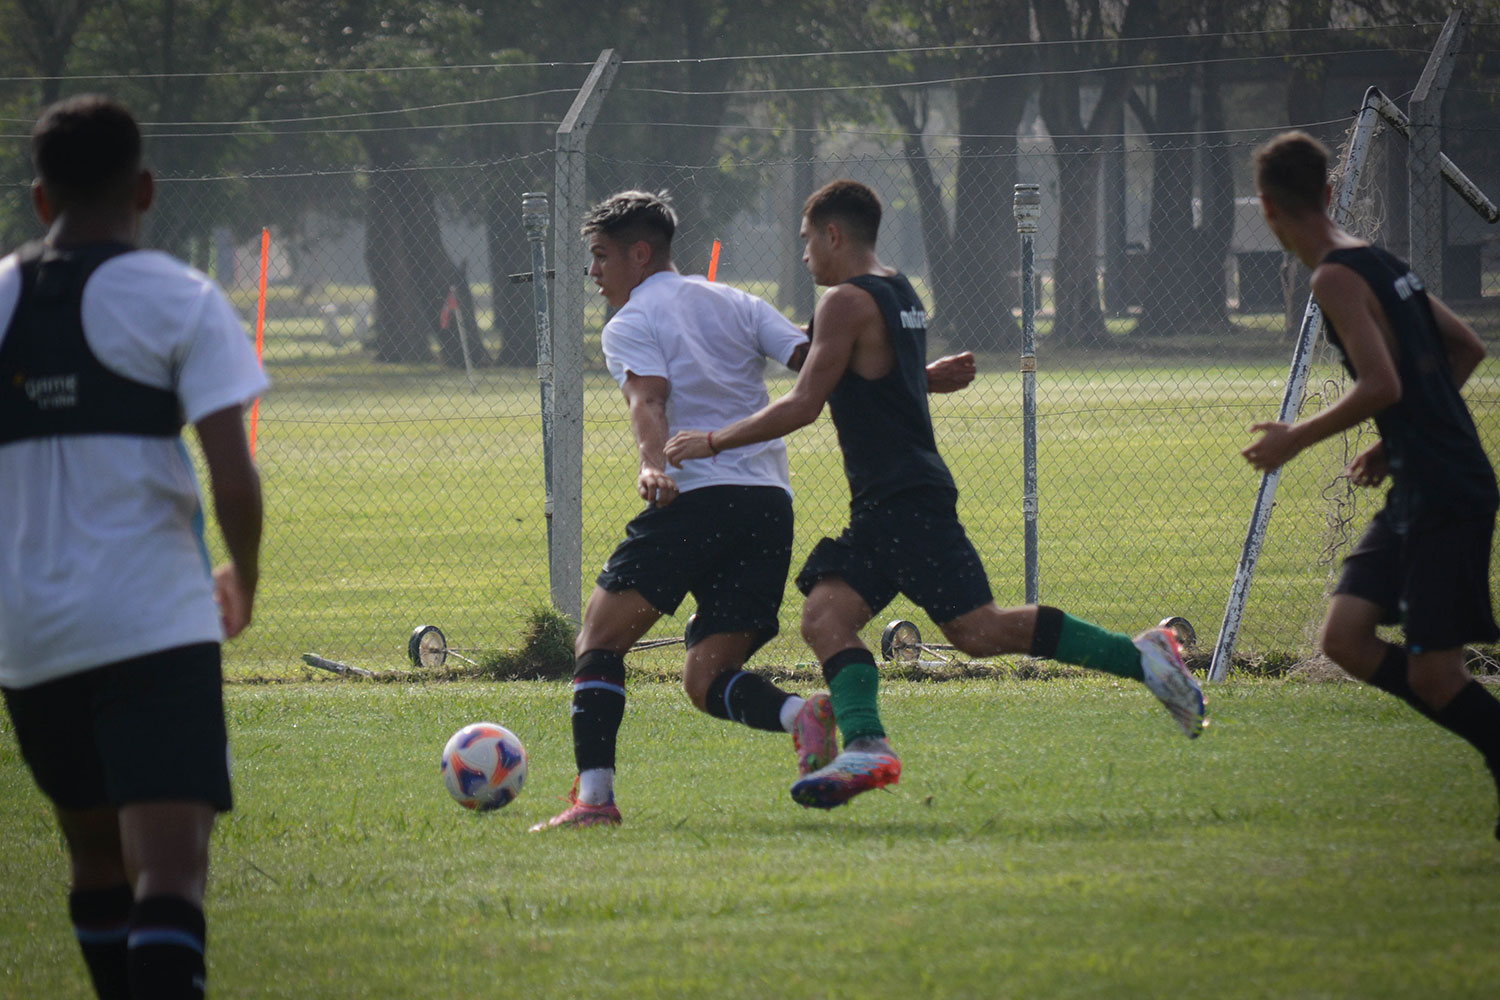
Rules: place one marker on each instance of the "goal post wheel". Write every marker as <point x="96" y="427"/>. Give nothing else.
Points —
<point x="1179" y="626"/>
<point x="901" y="640"/>
<point x="427" y="647"/>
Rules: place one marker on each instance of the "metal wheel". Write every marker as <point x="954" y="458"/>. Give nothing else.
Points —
<point x="1187" y="636"/>
<point x="900" y="641"/>
<point x="427" y="647"/>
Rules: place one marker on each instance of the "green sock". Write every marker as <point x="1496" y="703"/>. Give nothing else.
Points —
<point x="1085" y="644"/>
<point x="854" y="691"/>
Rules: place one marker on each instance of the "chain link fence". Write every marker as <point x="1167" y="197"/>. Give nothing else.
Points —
<point x="401" y="445"/>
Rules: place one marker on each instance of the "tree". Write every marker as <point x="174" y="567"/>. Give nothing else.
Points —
<point x="1077" y="131"/>
<point x="410" y="270"/>
<point x="1184" y="269"/>
<point x="971" y="265"/>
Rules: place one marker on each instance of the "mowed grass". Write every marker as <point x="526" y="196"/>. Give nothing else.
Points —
<point x="399" y="496"/>
<point x="1049" y="839"/>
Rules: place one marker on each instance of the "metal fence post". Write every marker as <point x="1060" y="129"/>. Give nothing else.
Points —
<point x="1424" y="178"/>
<point x="1027" y="206"/>
<point x="534" y="216"/>
<point x="571" y="199"/>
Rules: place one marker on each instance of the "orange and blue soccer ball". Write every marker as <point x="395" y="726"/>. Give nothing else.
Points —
<point x="484" y="766"/>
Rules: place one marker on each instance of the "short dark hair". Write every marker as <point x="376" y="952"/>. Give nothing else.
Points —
<point x="86" y="149"/>
<point x="854" y="205"/>
<point x="631" y="216"/>
<point x="1292" y="171"/>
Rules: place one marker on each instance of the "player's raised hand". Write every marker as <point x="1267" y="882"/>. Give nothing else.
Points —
<point x="951" y="372"/>
<point x="656" y="487"/>
<point x="685" y="445"/>
<point x="1369" y="467"/>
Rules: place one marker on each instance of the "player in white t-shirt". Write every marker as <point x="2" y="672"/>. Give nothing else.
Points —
<point x="111" y="616"/>
<point x="689" y="353"/>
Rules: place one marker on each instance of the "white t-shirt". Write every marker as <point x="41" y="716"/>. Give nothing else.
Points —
<point x="102" y="554"/>
<point x="710" y="341"/>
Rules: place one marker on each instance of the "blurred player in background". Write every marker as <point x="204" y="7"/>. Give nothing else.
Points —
<point x="866" y="363"/>
<point x="111" y="617"/>
<point x="1424" y="561"/>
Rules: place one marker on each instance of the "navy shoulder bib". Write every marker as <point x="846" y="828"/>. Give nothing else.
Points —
<point x="51" y="383"/>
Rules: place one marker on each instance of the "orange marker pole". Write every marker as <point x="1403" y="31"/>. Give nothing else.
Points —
<point x="713" y="262"/>
<point x="260" y="328"/>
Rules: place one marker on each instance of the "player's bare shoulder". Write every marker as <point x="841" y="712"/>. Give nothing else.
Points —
<point x="848" y="308"/>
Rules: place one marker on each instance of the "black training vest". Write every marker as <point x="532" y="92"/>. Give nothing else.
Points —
<point x="884" y="426"/>
<point x="1437" y="463"/>
<point x="51" y="383"/>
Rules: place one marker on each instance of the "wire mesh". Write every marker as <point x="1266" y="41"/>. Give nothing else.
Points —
<point x="401" y="444"/>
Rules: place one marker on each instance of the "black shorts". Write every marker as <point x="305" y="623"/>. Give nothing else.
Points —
<point x="728" y="546"/>
<point x="147" y="729"/>
<point x="911" y="543"/>
<point x="1434" y="580"/>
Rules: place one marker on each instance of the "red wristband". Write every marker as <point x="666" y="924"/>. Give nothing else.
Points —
<point x="711" y="449"/>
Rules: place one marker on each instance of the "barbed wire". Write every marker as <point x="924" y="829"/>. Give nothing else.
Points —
<point x="1019" y="75"/>
<point x="1035" y="43"/>
<point x="747" y="57"/>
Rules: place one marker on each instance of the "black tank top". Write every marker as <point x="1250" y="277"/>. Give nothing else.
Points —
<point x="51" y="383"/>
<point x="1437" y="463"/>
<point x="884" y="427"/>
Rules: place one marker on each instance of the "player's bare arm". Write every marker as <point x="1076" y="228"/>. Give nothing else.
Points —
<point x="235" y="485"/>
<point x="1355" y="312"/>
<point x="647" y="398"/>
<point x="1465" y="349"/>
<point x="831" y="353"/>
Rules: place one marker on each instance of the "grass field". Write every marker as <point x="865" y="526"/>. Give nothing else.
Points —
<point x="1049" y="839"/>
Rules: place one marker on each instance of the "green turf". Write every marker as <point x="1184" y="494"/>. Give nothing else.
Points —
<point x="1049" y="839"/>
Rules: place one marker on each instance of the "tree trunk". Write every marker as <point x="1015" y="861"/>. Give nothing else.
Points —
<point x="1185" y="266"/>
<point x="1079" y="317"/>
<point x="932" y="216"/>
<point x="512" y="306"/>
<point x="979" y="314"/>
<point x="411" y="273"/>
<point x="1116" y="290"/>
<point x="795" y="290"/>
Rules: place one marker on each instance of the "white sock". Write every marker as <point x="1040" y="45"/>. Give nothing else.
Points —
<point x="596" y="786"/>
<point x="789" y="710"/>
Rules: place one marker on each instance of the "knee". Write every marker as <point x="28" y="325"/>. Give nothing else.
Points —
<point x="697" y="690"/>
<point x="1436" y="678"/>
<point x="811" y="625"/>
<point x="1339" y="645"/>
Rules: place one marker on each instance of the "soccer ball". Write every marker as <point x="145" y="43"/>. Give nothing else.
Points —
<point x="484" y="766"/>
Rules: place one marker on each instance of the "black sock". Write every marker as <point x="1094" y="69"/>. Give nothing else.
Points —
<point x="1391" y="677"/>
<point x="598" y="708"/>
<point x="740" y="696"/>
<point x="167" y="938"/>
<point x="101" y="922"/>
<point x="1047" y="632"/>
<point x="1474" y="714"/>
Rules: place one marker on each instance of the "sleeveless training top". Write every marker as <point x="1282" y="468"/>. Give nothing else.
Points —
<point x="1437" y="463"/>
<point x="51" y="382"/>
<point x="884" y="426"/>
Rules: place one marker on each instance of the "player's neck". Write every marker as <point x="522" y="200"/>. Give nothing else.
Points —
<point x="74" y="229"/>
<point x="1319" y="236"/>
<point x="860" y="262"/>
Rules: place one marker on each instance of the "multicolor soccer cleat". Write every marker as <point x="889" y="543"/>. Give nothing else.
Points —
<point x="851" y="772"/>
<point x="815" y="735"/>
<point x="1170" y="680"/>
<point x="580" y="814"/>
